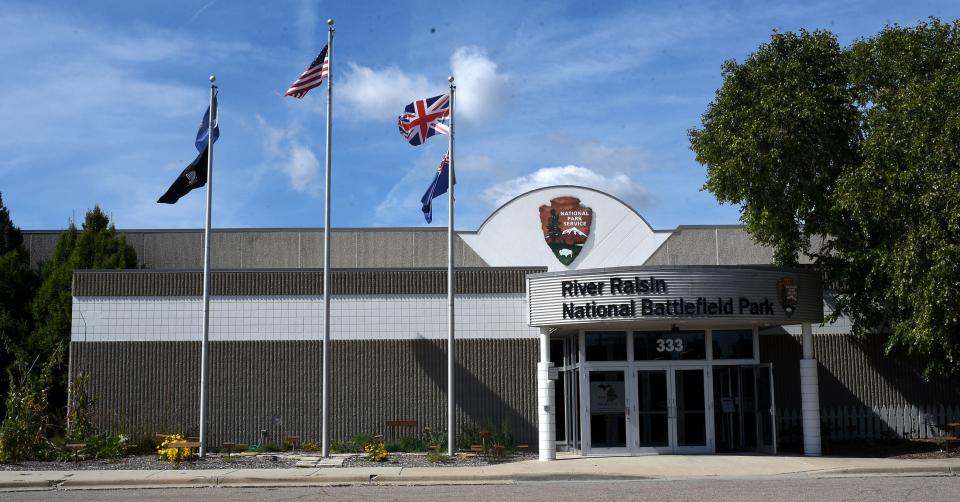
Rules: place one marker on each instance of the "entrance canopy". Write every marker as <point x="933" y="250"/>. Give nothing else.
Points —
<point x="753" y="295"/>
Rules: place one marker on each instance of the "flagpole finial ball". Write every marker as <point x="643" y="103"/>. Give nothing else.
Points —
<point x="450" y="79"/>
<point x="213" y="79"/>
<point x="330" y="21"/>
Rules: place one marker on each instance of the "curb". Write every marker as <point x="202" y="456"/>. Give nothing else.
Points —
<point x="201" y="481"/>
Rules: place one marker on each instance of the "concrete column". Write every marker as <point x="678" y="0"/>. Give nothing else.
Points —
<point x="545" y="393"/>
<point x="809" y="395"/>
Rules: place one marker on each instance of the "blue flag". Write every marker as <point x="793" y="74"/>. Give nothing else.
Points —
<point x="437" y="188"/>
<point x="202" y="133"/>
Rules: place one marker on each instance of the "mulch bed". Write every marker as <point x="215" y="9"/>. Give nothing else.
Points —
<point x="420" y="460"/>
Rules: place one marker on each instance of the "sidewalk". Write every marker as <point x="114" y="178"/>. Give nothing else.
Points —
<point x="565" y="468"/>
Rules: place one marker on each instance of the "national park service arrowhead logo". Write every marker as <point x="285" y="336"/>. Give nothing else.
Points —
<point x="566" y="226"/>
<point x="789" y="294"/>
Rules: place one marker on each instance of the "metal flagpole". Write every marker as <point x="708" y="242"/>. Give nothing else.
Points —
<point x="204" y="353"/>
<point x="451" y="283"/>
<point x="325" y="430"/>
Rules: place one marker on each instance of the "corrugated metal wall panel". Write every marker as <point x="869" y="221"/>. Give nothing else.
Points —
<point x="127" y="283"/>
<point x="148" y="387"/>
<point x="853" y="372"/>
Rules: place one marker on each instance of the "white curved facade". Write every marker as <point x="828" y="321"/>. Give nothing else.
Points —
<point x="513" y="234"/>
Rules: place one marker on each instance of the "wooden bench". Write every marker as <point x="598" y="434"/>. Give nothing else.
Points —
<point x="293" y="440"/>
<point x="234" y="447"/>
<point x="394" y="425"/>
<point x="75" y="448"/>
<point x="184" y="444"/>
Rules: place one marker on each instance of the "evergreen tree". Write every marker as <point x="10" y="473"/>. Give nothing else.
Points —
<point x="96" y="246"/>
<point x="17" y="286"/>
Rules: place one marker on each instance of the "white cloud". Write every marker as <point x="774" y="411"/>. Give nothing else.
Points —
<point x="292" y="158"/>
<point x="480" y="89"/>
<point x="617" y="184"/>
<point x="381" y="94"/>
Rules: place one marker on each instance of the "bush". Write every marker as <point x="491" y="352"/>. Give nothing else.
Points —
<point x="23" y="434"/>
<point x="376" y="451"/>
<point x="169" y="454"/>
<point x="105" y="446"/>
<point x="311" y="446"/>
<point x="79" y="409"/>
<point x="435" y="455"/>
<point x="487" y="436"/>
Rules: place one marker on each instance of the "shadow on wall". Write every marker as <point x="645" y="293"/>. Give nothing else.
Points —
<point x="864" y="394"/>
<point x="495" y="382"/>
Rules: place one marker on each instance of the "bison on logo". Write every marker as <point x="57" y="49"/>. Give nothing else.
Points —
<point x="566" y="226"/>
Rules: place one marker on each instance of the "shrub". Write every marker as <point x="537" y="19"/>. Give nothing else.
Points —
<point x="376" y="451"/>
<point x="435" y="455"/>
<point x="23" y="434"/>
<point x="105" y="445"/>
<point x="165" y="452"/>
<point x="79" y="409"/>
<point x="311" y="446"/>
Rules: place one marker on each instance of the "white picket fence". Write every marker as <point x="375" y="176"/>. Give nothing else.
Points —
<point x="878" y="422"/>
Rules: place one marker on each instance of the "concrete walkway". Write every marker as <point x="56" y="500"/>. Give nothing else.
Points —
<point x="565" y="468"/>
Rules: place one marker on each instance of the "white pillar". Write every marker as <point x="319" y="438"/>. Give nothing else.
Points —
<point x="809" y="395"/>
<point x="545" y="395"/>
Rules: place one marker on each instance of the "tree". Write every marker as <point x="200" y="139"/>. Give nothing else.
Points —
<point x="18" y="284"/>
<point x="851" y="156"/>
<point x="96" y="246"/>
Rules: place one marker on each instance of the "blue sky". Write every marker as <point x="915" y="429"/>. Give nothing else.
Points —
<point x="101" y="101"/>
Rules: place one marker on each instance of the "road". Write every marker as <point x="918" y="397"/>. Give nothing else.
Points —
<point x="927" y="489"/>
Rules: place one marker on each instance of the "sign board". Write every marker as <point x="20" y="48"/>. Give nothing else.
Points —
<point x="607" y="397"/>
<point x="766" y="294"/>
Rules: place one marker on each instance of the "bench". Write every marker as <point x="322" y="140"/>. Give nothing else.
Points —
<point x="294" y="441"/>
<point x="947" y="441"/>
<point x="234" y="447"/>
<point x="394" y="425"/>
<point x="184" y="444"/>
<point x="75" y="448"/>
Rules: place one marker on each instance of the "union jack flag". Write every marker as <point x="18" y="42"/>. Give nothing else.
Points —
<point x="424" y="118"/>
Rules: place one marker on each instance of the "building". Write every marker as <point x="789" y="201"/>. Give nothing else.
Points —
<point x="579" y="327"/>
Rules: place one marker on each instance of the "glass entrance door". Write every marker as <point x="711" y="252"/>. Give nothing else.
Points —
<point x="671" y="411"/>
<point x="692" y="432"/>
<point x="766" y="410"/>
<point x="653" y="412"/>
<point x="607" y="412"/>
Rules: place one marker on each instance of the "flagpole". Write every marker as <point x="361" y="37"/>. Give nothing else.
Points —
<point x="204" y="352"/>
<point x="451" y="283"/>
<point x="325" y="430"/>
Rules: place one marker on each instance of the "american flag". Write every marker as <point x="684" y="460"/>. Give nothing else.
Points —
<point x="312" y="77"/>
<point x="424" y="118"/>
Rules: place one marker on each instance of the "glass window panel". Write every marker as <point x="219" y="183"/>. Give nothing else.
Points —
<point x="606" y="345"/>
<point x="556" y="352"/>
<point x="733" y="344"/>
<point x="669" y="345"/>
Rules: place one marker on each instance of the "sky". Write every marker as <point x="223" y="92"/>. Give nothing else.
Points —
<point x="101" y="100"/>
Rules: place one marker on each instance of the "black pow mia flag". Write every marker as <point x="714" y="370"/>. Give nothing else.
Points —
<point x="194" y="176"/>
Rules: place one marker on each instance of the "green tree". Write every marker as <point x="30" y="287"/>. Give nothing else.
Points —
<point x="18" y="284"/>
<point x="97" y="245"/>
<point x="851" y="156"/>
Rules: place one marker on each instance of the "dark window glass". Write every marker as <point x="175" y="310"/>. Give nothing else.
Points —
<point x="669" y="345"/>
<point x="733" y="344"/>
<point x="606" y="346"/>
<point x="556" y="352"/>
